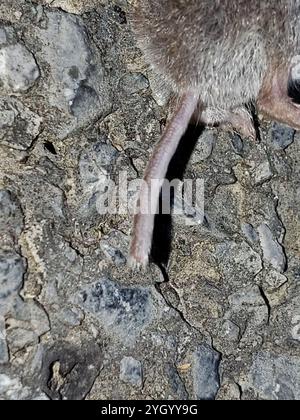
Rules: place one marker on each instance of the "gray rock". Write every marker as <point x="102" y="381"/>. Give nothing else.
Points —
<point x="70" y="370"/>
<point x="20" y="338"/>
<point x="71" y="316"/>
<point x="231" y="331"/>
<point x="52" y="207"/>
<point x="7" y="35"/>
<point x="12" y="269"/>
<point x="4" y="354"/>
<point x="286" y="318"/>
<point x="66" y="51"/>
<point x="8" y="386"/>
<point x="206" y="373"/>
<point x="281" y="136"/>
<point x="11" y="388"/>
<point x="123" y="311"/>
<point x="237" y="143"/>
<point x="11" y="215"/>
<point x="58" y="273"/>
<point x="249" y="304"/>
<point x="274" y="377"/>
<point x="134" y="82"/>
<point x="250" y="233"/>
<point x="41" y="396"/>
<point x="131" y="371"/>
<point x="272" y="250"/>
<point x="68" y="5"/>
<point x="18" y="69"/>
<point x="96" y="161"/>
<point x="19" y="126"/>
<point x="238" y="261"/>
<point x="3" y="36"/>
<point x="177" y="387"/>
<point x="28" y="322"/>
<point x="274" y="280"/>
<point x="263" y="173"/>
<point x="96" y="165"/>
<point x="76" y="83"/>
<point x="230" y="391"/>
<point x="86" y="99"/>
<point x="249" y="310"/>
<point x="115" y="247"/>
<point x="204" y="146"/>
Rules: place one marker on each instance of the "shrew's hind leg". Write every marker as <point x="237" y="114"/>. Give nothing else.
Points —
<point x="238" y="120"/>
<point x="274" y="101"/>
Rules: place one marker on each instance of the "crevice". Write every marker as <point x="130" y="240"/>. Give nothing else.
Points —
<point x="50" y="148"/>
<point x="257" y="124"/>
<point x="133" y="166"/>
<point x="69" y="242"/>
<point x="281" y="242"/>
<point x="178" y="311"/>
<point x="266" y="300"/>
<point x="240" y="390"/>
<point x="34" y="142"/>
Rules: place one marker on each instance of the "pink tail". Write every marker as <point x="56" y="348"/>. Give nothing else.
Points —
<point x="157" y="169"/>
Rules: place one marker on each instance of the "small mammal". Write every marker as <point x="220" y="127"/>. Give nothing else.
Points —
<point x="219" y="56"/>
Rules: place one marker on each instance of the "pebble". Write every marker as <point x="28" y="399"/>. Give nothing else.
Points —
<point x="28" y="323"/>
<point x="72" y="317"/>
<point x="134" y="82"/>
<point x="281" y="136"/>
<point x="18" y="68"/>
<point x="123" y="311"/>
<point x="205" y="146"/>
<point x="231" y="331"/>
<point x="206" y="377"/>
<point x="12" y="269"/>
<point x="274" y="280"/>
<point x="131" y="371"/>
<point x="272" y="249"/>
<point x="66" y="51"/>
<point x="11" y="215"/>
<point x="263" y="173"/>
<point x="237" y="143"/>
<point x="97" y="162"/>
<point x="4" y="354"/>
<point x="250" y="233"/>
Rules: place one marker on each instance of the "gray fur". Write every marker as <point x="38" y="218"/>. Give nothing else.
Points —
<point x="219" y="56"/>
<point x="219" y="48"/>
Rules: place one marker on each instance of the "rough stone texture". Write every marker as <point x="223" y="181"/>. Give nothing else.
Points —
<point x="273" y="377"/>
<point x="218" y="315"/>
<point x="11" y="274"/>
<point x="18" y="69"/>
<point x="19" y="127"/>
<point x="272" y="250"/>
<point x="206" y="373"/>
<point x="131" y="371"/>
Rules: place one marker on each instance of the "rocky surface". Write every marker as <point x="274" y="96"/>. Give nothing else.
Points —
<point x="218" y="315"/>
